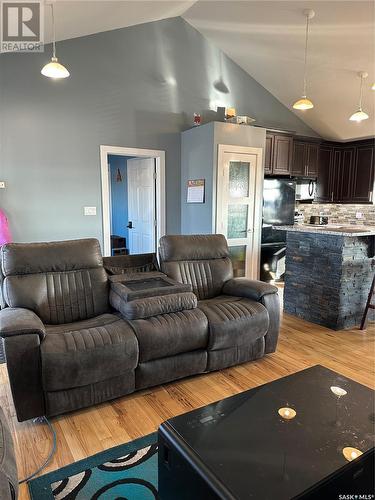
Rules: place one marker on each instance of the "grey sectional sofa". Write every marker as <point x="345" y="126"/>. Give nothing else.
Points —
<point x="72" y="339"/>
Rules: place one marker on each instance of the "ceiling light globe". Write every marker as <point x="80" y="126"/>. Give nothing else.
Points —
<point x="303" y="104"/>
<point x="54" y="69"/>
<point x="358" y="116"/>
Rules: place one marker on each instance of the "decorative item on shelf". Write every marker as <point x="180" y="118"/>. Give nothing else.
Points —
<point x="351" y="453"/>
<point x="118" y="176"/>
<point x="241" y="120"/>
<point x="54" y="69"/>
<point x="197" y="119"/>
<point x="305" y="103"/>
<point x="230" y="113"/>
<point x="287" y="413"/>
<point x="360" y="115"/>
<point x="220" y="113"/>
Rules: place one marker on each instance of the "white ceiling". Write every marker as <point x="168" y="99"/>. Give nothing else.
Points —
<point x="76" y="18"/>
<point x="266" y="38"/>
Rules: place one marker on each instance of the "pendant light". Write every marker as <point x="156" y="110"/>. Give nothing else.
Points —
<point x="54" y="69"/>
<point x="305" y="103"/>
<point x="360" y="115"/>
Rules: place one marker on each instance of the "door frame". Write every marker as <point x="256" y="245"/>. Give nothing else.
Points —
<point x="253" y="267"/>
<point x="106" y="195"/>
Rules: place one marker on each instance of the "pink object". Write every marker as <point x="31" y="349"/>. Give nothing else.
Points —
<point x="4" y="229"/>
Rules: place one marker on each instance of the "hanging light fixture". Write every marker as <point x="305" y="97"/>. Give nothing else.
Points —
<point x="360" y="115"/>
<point x="54" y="69"/>
<point x="305" y="103"/>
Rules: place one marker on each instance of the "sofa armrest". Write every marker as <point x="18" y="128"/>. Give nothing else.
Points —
<point x="267" y="295"/>
<point x="19" y="321"/>
<point x="251" y="289"/>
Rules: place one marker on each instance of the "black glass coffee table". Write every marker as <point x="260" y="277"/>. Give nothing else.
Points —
<point x="307" y="435"/>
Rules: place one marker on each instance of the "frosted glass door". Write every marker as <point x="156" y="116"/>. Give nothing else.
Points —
<point x="235" y="207"/>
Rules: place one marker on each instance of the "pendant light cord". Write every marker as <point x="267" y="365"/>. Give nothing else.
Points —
<point x="360" y="94"/>
<point x="305" y="66"/>
<point x="53" y="33"/>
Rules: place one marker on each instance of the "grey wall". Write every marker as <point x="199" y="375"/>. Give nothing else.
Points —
<point x="199" y="151"/>
<point x="134" y="87"/>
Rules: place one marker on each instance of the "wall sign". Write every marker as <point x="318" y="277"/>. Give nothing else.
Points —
<point x="195" y="191"/>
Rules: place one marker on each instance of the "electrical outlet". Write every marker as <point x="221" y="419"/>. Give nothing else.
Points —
<point x="359" y="215"/>
<point x="89" y="210"/>
<point x="2" y="184"/>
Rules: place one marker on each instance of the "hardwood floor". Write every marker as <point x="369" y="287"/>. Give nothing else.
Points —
<point x="90" y="431"/>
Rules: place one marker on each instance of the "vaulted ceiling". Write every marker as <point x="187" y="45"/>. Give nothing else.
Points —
<point x="265" y="38"/>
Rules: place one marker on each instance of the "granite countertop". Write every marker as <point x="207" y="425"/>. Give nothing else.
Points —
<point x="334" y="229"/>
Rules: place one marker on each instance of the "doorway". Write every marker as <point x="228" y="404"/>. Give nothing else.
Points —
<point x="239" y="206"/>
<point x="133" y="199"/>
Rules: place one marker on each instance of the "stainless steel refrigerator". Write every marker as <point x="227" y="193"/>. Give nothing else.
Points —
<point x="279" y="198"/>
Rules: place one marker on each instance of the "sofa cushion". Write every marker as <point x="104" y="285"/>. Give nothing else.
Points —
<point x="193" y="247"/>
<point x="61" y="282"/>
<point x="234" y="321"/>
<point x="201" y="260"/>
<point x="206" y="277"/>
<point x="170" y="334"/>
<point x="86" y="352"/>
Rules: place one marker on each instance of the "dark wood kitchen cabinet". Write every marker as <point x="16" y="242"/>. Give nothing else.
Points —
<point x="324" y="188"/>
<point x="346" y="172"/>
<point x="344" y="176"/>
<point x="363" y="175"/>
<point x="268" y="154"/>
<point x="305" y="159"/>
<point x="278" y="154"/>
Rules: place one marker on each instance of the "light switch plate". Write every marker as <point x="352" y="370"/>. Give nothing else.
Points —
<point x="89" y="210"/>
<point x="2" y="184"/>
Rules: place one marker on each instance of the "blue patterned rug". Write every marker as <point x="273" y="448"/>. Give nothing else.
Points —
<point x="126" y="472"/>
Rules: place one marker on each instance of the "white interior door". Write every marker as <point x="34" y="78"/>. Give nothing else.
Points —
<point x="141" y="205"/>
<point x="239" y="198"/>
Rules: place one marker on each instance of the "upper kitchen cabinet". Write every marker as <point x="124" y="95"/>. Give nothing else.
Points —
<point x="268" y="154"/>
<point x="344" y="177"/>
<point x="278" y="154"/>
<point x="363" y="175"/>
<point x="324" y="189"/>
<point x="305" y="158"/>
<point x="346" y="173"/>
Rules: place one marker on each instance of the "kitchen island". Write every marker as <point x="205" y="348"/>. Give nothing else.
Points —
<point x="329" y="271"/>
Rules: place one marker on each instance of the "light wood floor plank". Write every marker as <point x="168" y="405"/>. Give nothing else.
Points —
<point x="89" y="431"/>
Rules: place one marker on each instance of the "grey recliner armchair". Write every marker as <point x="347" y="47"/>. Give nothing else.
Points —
<point x="243" y="315"/>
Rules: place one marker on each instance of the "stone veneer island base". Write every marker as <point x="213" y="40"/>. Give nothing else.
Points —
<point x="328" y="276"/>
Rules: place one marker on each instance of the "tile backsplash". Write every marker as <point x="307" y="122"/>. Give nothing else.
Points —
<point x="339" y="214"/>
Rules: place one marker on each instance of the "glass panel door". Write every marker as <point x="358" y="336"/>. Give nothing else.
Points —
<point x="235" y="207"/>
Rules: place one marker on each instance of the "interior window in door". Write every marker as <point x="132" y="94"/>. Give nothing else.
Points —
<point x="238" y="179"/>
<point x="237" y="221"/>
